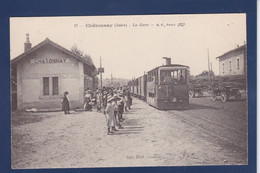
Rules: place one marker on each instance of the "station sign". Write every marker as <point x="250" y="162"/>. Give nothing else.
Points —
<point x="49" y="61"/>
<point x="100" y="70"/>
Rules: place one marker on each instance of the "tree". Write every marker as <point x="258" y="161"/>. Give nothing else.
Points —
<point x="87" y="58"/>
<point x="94" y="79"/>
<point x="205" y="73"/>
<point x="74" y="49"/>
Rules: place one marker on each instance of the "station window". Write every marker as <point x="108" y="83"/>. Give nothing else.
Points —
<point x="223" y="67"/>
<point x="55" y="86"/>
<point x="238" y="63"/>
<point x="46" y="86"/>
<point x="230" y="66"/>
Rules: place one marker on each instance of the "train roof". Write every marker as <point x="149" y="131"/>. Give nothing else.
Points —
<point x="171" y="65"/>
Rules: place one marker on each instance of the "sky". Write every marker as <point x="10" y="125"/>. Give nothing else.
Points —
<point x="131" y="45"/>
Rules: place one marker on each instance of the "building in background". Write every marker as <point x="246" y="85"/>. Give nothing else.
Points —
<point x="233" y="62"/>
<point x="41" y="75"/>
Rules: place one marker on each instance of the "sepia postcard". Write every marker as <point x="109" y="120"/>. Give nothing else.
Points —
<point x="129" y="91"/>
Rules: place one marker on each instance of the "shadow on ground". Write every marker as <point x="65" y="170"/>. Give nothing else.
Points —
<point x="130" y="126"/>
<point x="193" y="106"/>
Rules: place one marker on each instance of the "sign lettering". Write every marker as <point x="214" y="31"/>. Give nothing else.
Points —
<point x="49" y="61"/>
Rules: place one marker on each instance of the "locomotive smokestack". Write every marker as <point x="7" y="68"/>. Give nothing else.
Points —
<point x="168" y="60"/>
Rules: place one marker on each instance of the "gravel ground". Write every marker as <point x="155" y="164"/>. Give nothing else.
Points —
<point x="150" y="137"/>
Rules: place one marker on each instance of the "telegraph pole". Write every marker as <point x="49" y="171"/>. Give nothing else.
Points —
<point x="111" y="81"/>
<point x="100" y="71"/>
<point x="208" y="65"/>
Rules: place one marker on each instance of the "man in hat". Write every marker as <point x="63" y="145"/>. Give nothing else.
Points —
<point x="66" y="103"/>
<point x="104" y="100"/>
<point x="129" y="98"/>
<point x="121" y="106"/>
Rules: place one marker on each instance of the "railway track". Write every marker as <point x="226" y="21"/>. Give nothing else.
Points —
<point x="219" y="129"/>
<point x="226" y="122"/>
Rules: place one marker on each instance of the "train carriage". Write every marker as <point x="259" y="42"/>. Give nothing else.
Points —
<point x="143" y="86"/>
<point x="139" y="87"/>
<point x="167" y="87"/>
<point x="135" y="88"/>
<point x="131" y="86"/>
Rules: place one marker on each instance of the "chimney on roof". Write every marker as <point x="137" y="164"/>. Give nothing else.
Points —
<point x="168" y="60"/>
<point x="27" y="44"/>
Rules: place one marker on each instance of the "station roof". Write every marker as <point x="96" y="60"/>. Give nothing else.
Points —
<point x="233" y="50"/>
<point x="49" y="42"/>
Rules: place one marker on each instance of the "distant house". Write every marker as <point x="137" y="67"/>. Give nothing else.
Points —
<point x="41" y="75"/>
<point x="233" y="62"/>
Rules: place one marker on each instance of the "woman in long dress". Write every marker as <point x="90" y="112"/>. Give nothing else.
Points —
<point x="66" y="103"/>
<point x="87" y="100"/>
<point x="98" y="100"/>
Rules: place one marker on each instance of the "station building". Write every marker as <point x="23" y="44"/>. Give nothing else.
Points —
<point x="233" y="62"/>
<point x="41" y="75"/>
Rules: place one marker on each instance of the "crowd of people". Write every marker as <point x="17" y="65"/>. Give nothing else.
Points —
<point x="110" y="101"/>
<point x="115" y="103"/>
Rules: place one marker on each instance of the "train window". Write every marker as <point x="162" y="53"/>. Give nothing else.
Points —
<point x="163" y="75"/>
<point x="173" y="76"/>
<point x="156" y="76"/>
<point x="167" y="76"/>
<point x="151" y="94"/>
<point x="181" y="77"/>
<point x="151" y="77"/>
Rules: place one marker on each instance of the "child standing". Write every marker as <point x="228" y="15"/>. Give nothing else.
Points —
<point x="116" y="109"/>
<point x="110" y="115"/>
